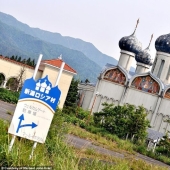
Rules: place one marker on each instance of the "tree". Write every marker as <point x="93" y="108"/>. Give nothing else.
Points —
<point x="16" y="58"/>
<point x="33" y="63"/>
<point x="72" y="95"/>
<point x="19" y="59"/>
<point x="123" y="120"/>
<point x="28" y="61"/>
<point x="15" y="83"/>
<point x="87" y="81"/>
<point x="164" y="146"/>
<point x="12" y="57"/>
<point x="138" y="122"/>
<point x="20" y="78"/>
<point x="23" y="61"/>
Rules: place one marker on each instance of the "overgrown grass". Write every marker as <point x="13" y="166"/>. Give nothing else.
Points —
<point x="114" y="143"/>
<point x="57" y="154"/>
<point x="89" y="160"/>
<point x="109" y="141"/>
<point x="53" y="153"/>
<point x="9" y="113"/>
<point x="100" y="136"/>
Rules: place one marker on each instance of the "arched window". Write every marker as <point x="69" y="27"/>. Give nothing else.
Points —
<point x="161" y="68"/>
<point x="2" y="78"/>
<point x="168" y="74"/>
<point x="115" y="75"/>
<point x="12" y="83"/>
<point x="147" y="84"/>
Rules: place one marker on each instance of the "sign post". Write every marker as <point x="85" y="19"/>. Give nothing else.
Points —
<point x="56" y="84"/>
<point x="35" y="109"/>
<point x="35" y="72"/>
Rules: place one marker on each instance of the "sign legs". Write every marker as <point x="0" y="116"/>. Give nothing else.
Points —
<point x="12" y="142"/>
<point x="33" y="148"/>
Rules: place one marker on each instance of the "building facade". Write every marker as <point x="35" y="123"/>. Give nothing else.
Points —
<point x="151" y="89"/>
<point x="11" y="70"/>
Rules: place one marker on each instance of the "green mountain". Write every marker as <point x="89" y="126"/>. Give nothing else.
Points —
<point x="16" y="42"/>
<point x="86" y="48"/>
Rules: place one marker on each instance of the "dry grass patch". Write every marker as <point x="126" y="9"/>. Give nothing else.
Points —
<point x="128" y="163"/>
<point x="117" y="145"/>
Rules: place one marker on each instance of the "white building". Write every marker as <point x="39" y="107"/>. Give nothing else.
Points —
<point x="11" y="69"/>
<point x="148" y="88"/>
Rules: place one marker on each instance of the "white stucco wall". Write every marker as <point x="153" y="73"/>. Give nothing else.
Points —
<point x="12" y="69"/>
<point x="142" y="68"/>
<point x="86" y="100"/>
<point x="141" y="98"/>
<point x="86" y="93"/>
<point x="166" y="57"/>
<point x="110" y="89"/>
<point x="138" y="98"/>
<point x="162" y="115"/>
<point x="108" y="92"/>
<point x="126" y="59"/>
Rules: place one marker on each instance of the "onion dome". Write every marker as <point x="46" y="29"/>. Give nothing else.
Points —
<point x="144" y="56"/>
<point x="130" y="43"/>
<point x="162" y="43"/>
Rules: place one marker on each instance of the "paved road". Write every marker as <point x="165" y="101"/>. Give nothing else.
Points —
<point x="83" y="143"/>
<point x="4" y="108"/>
<point x="76" y="141"/>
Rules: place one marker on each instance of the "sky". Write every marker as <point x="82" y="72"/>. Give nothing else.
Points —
<point x="101" y="22"/>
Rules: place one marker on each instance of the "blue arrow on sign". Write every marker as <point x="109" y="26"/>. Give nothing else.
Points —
<point x="21" y="118"/>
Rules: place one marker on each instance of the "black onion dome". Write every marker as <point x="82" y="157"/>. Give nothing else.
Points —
<point x="144" y="57"/>
<point x="130" y="43"/>
<point x="162" y="43"/>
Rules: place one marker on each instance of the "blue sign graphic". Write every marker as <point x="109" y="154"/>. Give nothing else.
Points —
<point x="21" y="118"/>
<point x="41" y="90"/>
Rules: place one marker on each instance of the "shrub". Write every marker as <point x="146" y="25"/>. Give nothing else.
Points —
<point x="164" y="159"/>
<point x="96" y="130"/>
<point x="9" y="96"/>
<point x="82" y="114"/>
<point x="82" y="124"/>
<point x="141" y="149"/>
<point x="151" y="154"/>
<point x="123" y="120"/>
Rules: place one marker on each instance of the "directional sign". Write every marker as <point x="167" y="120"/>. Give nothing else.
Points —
<point x="21" y="118"/>
<point x="35" y="109"/>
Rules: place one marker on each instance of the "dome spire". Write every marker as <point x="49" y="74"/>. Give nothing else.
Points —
<point x="130" y="43"/>
<point x="136" y="26"/>
<point x="150" y="42"/>
<point x="144" y="56"/>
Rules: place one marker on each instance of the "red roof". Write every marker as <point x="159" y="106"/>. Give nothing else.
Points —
<point x="57" y="63"/>
<point x="16" y="62"/>
<point x="53" y="62"/>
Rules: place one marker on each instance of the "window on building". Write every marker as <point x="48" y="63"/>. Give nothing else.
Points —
<point x="161" y="68"/>
<point x="168" y="74"/>
<point x="154" y="64"/>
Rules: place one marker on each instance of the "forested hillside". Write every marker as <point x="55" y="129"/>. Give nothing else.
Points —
<point x="16" y="42"/>
<point x="86" y="48"/>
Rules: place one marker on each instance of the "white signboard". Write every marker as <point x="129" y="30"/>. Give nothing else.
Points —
<point x="35" y="109"/>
